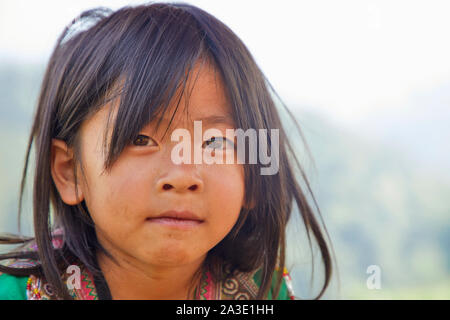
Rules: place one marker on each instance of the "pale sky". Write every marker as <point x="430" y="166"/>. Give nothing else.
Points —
<point x="348" y="59"/>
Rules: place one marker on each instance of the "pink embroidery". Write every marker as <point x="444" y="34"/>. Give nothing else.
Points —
<point x="209" y="286"/>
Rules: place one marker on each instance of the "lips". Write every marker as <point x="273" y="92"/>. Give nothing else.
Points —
<point x="181" y="220"/>
<point x="178" y="215"/>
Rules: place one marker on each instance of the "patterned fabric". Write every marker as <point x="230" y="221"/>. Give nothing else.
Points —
<point x="39" y="289"/>
<point x="243" y="286"/>
<point x="240" y="287"/>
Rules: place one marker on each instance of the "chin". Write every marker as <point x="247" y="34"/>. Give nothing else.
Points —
<point x="171" y="257"/>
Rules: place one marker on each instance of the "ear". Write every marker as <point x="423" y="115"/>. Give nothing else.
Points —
<point x="62" y="169"/>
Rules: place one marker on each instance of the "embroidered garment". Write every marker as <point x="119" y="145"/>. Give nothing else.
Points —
<point x="243" y="286"/>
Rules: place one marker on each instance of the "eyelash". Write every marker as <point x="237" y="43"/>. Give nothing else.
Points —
<point x="140" y="136"/>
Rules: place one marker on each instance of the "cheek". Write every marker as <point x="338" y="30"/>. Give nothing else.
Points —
<point x="114" y="197"/>
<point x="229" y="190"/>
<point x="226" y="195"/>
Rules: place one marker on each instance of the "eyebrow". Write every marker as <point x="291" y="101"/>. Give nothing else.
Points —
<point x="217" y="119"/>
<point x="211" y="119"/>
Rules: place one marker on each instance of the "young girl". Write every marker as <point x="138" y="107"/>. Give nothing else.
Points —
<point x="115" y="217"/>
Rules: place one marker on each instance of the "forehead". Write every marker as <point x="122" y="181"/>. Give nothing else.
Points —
<point x="205" y="93"/>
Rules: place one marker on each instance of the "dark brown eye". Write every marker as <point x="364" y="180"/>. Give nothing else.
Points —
<point x="142" y="140"/>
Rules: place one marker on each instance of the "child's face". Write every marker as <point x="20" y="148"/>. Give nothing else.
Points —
<point x="144" y="183"/>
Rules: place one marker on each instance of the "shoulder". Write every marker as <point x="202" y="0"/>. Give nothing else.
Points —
<point x="13" y="287"/>
<point x="23" y="287"/>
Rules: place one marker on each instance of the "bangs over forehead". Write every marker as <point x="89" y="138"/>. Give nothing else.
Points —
<point x="158" y="51"/>
<point x="146" y="55"/>
<point x="146" y="58"/>
<point x="131" y="109"/>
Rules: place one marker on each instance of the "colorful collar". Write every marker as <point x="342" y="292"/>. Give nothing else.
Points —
<point x="242" y="286"/>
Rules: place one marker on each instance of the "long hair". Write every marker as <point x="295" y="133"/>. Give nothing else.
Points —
<point x="143" y="54"/>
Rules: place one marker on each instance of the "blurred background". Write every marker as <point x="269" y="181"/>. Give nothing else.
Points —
<point x="369" y="83"/>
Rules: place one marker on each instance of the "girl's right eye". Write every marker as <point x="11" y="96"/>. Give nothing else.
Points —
<point x="142" y="141"/>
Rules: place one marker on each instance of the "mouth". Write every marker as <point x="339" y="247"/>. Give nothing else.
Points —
<point x="177" y="219"/>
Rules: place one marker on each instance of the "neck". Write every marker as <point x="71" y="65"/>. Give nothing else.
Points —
<point x="131" y="279"/>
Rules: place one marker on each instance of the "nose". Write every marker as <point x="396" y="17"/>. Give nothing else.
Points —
<point x="180" y="180"/>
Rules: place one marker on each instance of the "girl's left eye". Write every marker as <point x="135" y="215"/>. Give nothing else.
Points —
<point x="142" y="140"/>
<point x="218" y="143"/>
